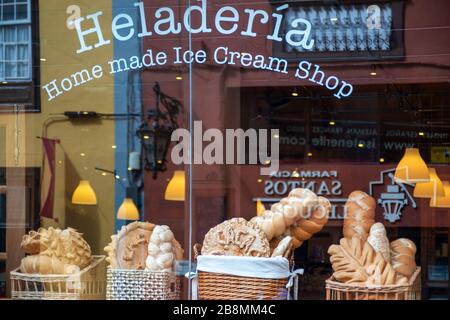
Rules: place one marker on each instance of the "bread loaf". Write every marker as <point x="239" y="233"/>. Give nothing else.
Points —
<point x="161" y="252"/>
<point x="379" y="241"/>
<point x="42" y="264"/>
<point x="299" y="205"/>
<point x="283" y="248"/>
<point x="308" y="225"/>
<point x="236" y="237"/>
<point x="360" y="215"/>
<point x="355" y="261"/>
<point x="403" y="253"/>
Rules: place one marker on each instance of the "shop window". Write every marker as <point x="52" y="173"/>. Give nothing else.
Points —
<point x="15" y="41"/>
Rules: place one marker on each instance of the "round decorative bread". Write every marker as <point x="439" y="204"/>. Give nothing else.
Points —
<point x="128" y="248"/>
<point x="236" y="237"/>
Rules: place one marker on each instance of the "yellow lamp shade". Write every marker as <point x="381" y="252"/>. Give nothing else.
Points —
<point x="175" y="188"/>
<point x="260" y="208"/>
<point x="411" y="168"/>
<point x="431" y="189"/>
<point x="444" y="201"/>
<point x="128" y="210"/>
<point x="84" y="194"/>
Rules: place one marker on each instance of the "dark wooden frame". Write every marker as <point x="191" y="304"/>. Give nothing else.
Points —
<point x="397" y="51"/>
<point x="26" y="94"/>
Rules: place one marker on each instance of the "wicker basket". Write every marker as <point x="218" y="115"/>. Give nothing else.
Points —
<point x="341" y="291"/>
<point x="141" y="285"/>
<point x="88" y="284"/>
<point x="217" y="286"/>
<point x="214" y="286"/>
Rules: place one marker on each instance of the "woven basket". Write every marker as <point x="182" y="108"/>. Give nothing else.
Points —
<point x="341" y="291"/>
<point x="141" y="285"/>
<point x="217" y="286"/>
<point x="88" y="284"/>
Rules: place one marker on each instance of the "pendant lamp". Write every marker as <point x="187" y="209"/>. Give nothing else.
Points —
<point x="411" y="168"/>
<point x="176" y="187"/>
<point x="84" y="194"/>
<point x="431" y="189"/>
<point x="128" y="210"/>
<point x="260" y="208"/>
<point x="444" y="201"/>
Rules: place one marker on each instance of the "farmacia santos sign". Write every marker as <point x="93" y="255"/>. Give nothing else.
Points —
<point x="227" y="21"/>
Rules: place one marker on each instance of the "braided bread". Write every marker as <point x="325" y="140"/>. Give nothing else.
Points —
<point x="276" y="221"/>
<point x="306" y="227"/>
<point x="360" y="210"/>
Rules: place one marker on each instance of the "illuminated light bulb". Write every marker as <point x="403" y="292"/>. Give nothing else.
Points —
<point x="84" y="194"/>
<point x="431" y="189"/>
<point x="128" y="210"/>
<point x="412" y="168"/>
<point x="175" y="190"/>
<point x="444" y="201"/>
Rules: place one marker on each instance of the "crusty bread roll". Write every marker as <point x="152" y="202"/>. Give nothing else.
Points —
<point x="403" y="253"/>
<point x="360" y="215"/>
<point x="379" y="241"/>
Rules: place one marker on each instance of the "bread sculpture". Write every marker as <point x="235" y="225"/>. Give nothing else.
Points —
<point x="300" y="215"/>
<point x="236" y="237"/>
<point x="129" y="248"/>
<point x="163" y="250"/>
<point x="403" y="253"/>
<point x="379" y="241"/>
<point x="365" y="256"/>
<point x="55" y="251"/>
<point x="360" y="210"/>
<point x="355" y="261"/>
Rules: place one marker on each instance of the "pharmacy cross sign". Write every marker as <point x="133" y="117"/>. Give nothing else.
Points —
<point x="245" y="22"/>
<point x="395" y="197"/>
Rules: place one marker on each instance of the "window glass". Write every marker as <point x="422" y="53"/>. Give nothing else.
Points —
<point x="156" y="132"/>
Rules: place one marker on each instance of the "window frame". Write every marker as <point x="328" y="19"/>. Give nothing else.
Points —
<point x="16" y="23"/>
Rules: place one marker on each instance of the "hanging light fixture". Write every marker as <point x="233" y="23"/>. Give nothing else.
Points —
<point x="128" y="210"/>
<point x="444" y="201"/>
<point x="260" y="208"/>
<point x="156" y="131"/>
<point x="176" y="188"/>
<point x="431" y="189"/>
<point x="84" y="194"/>
<point x="411" y="168"/>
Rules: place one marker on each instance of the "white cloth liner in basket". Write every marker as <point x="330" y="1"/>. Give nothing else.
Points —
<point x="253" y="267"/>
